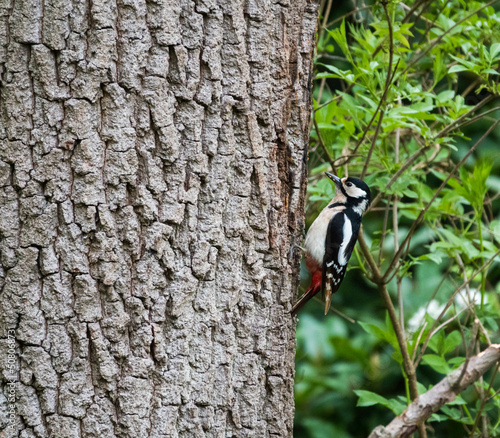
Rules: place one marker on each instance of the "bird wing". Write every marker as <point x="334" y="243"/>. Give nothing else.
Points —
<point x="341" y="237"/>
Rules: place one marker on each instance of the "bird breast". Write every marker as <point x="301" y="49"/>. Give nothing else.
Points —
<point x="316" y="236"/>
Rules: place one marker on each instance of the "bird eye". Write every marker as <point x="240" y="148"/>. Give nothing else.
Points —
<point x="349" y="184"/>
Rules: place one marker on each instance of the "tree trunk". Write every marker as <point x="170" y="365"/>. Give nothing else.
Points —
<point x="152" y="176"/>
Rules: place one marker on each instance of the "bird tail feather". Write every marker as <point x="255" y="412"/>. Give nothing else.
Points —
<point x="313" y="289"/>
<point x="328" y="297"/>
<point x="301" y="302"/>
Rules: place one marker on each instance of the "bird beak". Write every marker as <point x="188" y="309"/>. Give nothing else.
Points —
<point x="334" y="178"/>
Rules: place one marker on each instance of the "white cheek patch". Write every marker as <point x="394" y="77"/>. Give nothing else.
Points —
<point x="360" y="209"/>
<point x="355" y="192"/>
<point x="347" y="233"/>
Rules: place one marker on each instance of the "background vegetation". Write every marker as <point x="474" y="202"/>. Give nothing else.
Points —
<point x="406" y="96"/>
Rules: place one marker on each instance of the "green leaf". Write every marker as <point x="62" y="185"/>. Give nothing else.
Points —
<point x="458" y="401"/>
<point x="438" y="417"/>
<point x="435" y="256"/>
<point x="401" y="38"/>
<point x="383" y="334"/>
<point x="494" y="50"/>
<point x="421" y="388"/>
<point x="368" y="398"/>
<point x="490" y="71"/>
<point x="455" y="362"/>
<point x="445" y="96"/>
<point x="457" y="68"/>
<point x="339" y="35"/>
<point x="346" y="75"/>
<point x="437" y="363"/>
<point x="452" y="341"/>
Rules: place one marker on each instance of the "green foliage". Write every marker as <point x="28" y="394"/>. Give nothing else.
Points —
<point x="472" y="186"/>
<point x="407" y="101"/>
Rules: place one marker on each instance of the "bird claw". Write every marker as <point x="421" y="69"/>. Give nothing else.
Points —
<point x="293" y="247"/>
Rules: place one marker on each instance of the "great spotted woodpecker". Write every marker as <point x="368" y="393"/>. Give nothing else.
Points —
<point x="331" y="238"/>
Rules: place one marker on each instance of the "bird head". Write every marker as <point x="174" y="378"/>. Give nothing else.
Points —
<point x="356" y="192"/>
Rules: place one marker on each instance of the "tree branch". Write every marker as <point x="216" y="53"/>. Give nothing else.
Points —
<point x="444" y="392"/>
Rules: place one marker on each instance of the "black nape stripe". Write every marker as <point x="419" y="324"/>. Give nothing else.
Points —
<point x="335" y="204"/>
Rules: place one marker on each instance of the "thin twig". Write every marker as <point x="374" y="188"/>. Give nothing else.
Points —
<point x="384" y="231"/>
<point x="321" y="30"/>
<point x="348" y="15"/>
<point x="372" y="147"/>
<point x="334" y="310"/>
<point x="444" y="324"/>
<point x="323" y="146"/>
<point x="471" y="86"/>
<point x="418" y="341"/>
<point x="484" y="332"/>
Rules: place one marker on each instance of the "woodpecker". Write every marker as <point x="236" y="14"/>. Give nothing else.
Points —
<point x="331" y="238"/>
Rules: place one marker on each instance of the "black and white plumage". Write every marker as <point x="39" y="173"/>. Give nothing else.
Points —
<point x="332" y="237"/>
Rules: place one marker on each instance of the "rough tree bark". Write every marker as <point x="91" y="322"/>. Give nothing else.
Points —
<point x="152" y="175"/>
